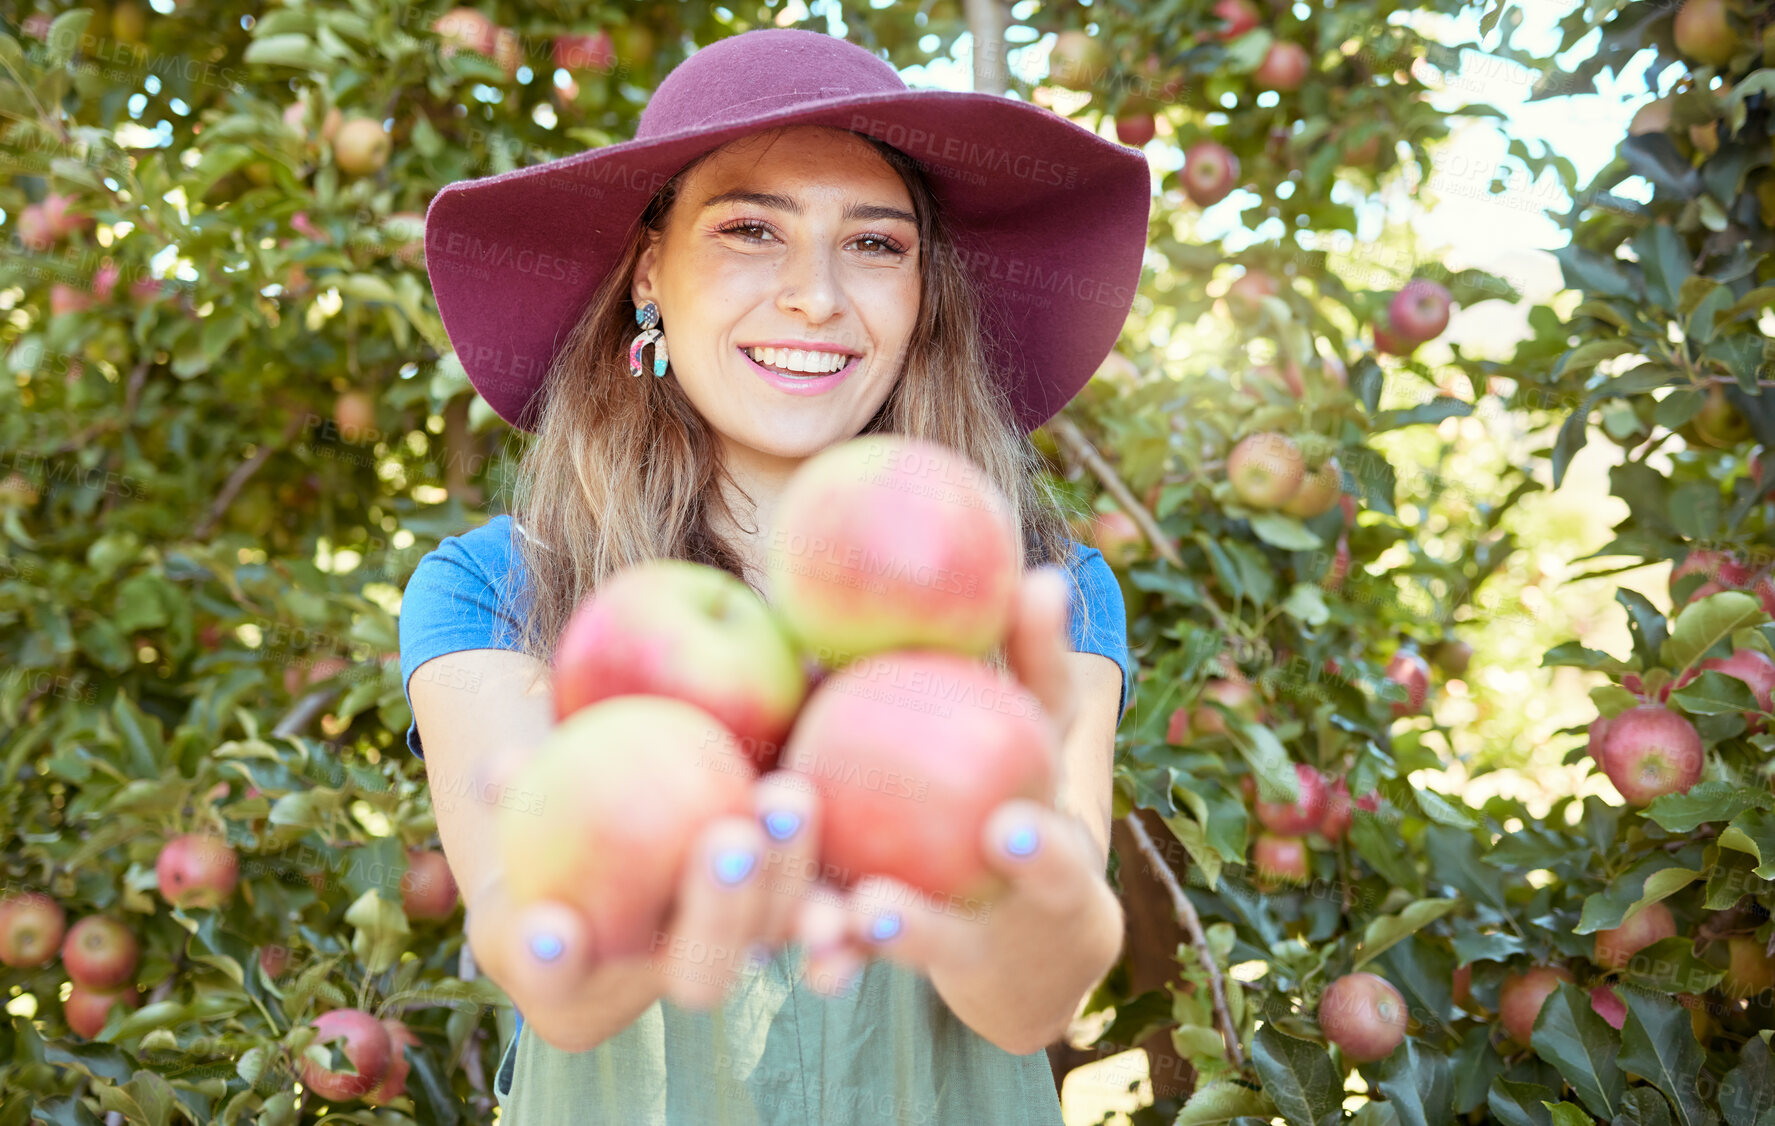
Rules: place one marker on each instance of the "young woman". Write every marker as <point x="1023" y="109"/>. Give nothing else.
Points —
<point x="813" y="252"/>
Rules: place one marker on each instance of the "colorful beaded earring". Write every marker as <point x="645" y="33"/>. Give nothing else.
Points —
<point x="647" y="316"/>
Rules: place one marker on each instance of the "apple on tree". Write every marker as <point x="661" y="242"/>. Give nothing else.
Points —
<point x="100" y="952"/>
<point x="1077" y="60"/>
<point x="361" y="147"/>
<point x="1411" y="672"/>
<point x="1245" y="296"/>
<point x="1616" y="946"/>
<point x="1319" y="491"/>
<point x="1522" y="995"/>
<point x="1607" y="1004"/>
<point x="1210" y="172"/>
<point x="1749" y="970"/>
<point x="1704" y="33"/>
<point x="1265" y="469"/>
<point x="1303" y="815"/>
<point x="1136" y="129"/>
<point x="1115" y="534"/>
<point x="672" y="627"/>
<point x="197" y="870"/>
<point x="1236" y="17"/>
<point x="428" y="890"/>
<point x="1364" y="1015"/>
<point x="88" y="1007"/>
<point x="31" y="929"/>
<point x="629" y="782"/>
<point x="1236" y="695"/>
<point x="910" y="752"/>
<point x="393" y="1083"/>
<point x="365" y="1042"/>
<point x="1418" y="312"/>
<point x="1649" y="751"/>
<point x="1284" y="66"/>
<point x="1280" y="859"/>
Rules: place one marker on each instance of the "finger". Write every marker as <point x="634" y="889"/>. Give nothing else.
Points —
<point x="1047" y="856"/>
<point x="830" y="959"/>
<point x="1039" y="641"/>
<point x="788" y="810"/>
<point x="721" y="901"/>
<point x="540" y="952"/>
<point x="891" y="919"/>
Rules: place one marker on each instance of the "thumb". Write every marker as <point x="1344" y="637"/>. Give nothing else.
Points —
<point x="1038" y="643"/>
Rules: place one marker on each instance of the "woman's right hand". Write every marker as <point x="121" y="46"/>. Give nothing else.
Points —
<point x="740" y="891"/>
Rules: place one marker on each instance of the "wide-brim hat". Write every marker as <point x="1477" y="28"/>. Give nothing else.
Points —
<point x="1050" y="219"/>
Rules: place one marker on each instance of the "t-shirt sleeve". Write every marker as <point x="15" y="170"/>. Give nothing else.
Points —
<point x="456" y="599"/>
<point x="1099" y="618"/>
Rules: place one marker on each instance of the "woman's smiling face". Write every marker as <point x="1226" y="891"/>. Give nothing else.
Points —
<point x="803" y="237"/>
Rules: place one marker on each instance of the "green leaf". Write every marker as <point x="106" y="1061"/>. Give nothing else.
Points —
<point x="1593" y="273"/>
<point x="1380" y="845"/>
<point x="1473" y="945"/>
<point x="1389" y="929"/>
<point x="1715" y="693"/>
<point x="1648" y="881"/>
<point x="1297" y="1075"/>
<point x="1666" y="261"/>
<point x="1416" y="1081"/>
<point x="1570" y="1035"/>
<point x="1753" y="832"/>
<point x="1574" y="655"/>
<point x="1670" y="966"/>
<point x="1645" y="622"/>
<point x="1270" y="765"/>
<point x="1474" y="1065"/>
<point x="64" y="35"/>
<point x="1454" y="860"/>
<point x="1658" y="1045"/>
<point x="1706" y="623"/>
<point x="1285" y="532"/>
<point x="1568" y="1114"/>
<point x="1748" y="1089"/>
<point x="289" y="49"/>
<point x="382" y="930"/>
<point x="1519" y="1104"/>
<point x="1643" y="1106"/>
<point x="1706" y="801"/>
<point x="1222" y="1101"/>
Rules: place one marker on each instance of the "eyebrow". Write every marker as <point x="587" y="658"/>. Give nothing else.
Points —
<point x="781" y="202"/>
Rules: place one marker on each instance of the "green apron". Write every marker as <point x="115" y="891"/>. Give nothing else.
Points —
<point x="777" y="1053"/>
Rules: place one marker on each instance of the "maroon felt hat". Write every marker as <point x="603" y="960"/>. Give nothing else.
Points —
<point x="1050" y="219"/>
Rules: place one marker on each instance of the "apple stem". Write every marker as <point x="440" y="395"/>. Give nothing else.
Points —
<point x="1192" y="925"/>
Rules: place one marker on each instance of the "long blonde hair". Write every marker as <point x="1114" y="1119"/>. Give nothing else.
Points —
<point x="624" y="470"/>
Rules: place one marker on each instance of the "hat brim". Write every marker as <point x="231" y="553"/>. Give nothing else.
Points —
<point x="1050" y="220"/>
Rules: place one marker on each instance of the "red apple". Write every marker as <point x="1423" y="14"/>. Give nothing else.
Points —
<point x="1136" y="129"/>
<point x="1749" y="971"/>
<point x="1117" y="537"/>
<point x="1340" y="564"/>
<point x="1411" y="672"/>
<point x="1704" y="33"/>
<point x="1245" y="296"/>
<point x="1462" y="981"/>
<point x="1419" y="311"/>
<point x="394" y="1081"/>
<point x="197" y="870"/>
<point x="1280" y="859"/>
<point x="888" y="542"/>
<point x="1363" y="1015"/>
<point x="1597" y="734"/>
<point x="428" y="890"/>
<point x="1236" y="695"/>
<point x="361" y="147"/>
<point x="1284" y="66"/>
<point x="104" y="281"/>
<point x="354" y="413"/>
<point x="87" y="1008"/>
<point x="1319" y="491"/>
<point x="50" y="220"/>
<point x="1302" y="815"/>
<point x="365" y="1042"/>
<point x="585" y="52"/>
<point x="1338" y="811"/>
<point x="274" y="960"/>
<point x="602" y="816"/>
<point x="1391" y="343"/>
<point x="31" y="929"/>
<point x="1210" y="172"/>
<point x="910" y="752"/>
<point x="1177" y="730"/>
<point x="1650" y="750"/>
<point x="1607" y="1004"/>
<point x="100" y="952"/>
<point x="1265" y="469"/>
<point x="1616" y="946"/>
<point x="1752" y="667"/>
<point x="295" y="116"/>
<point x="1237" y="17"/>
<point x="465" y="28"/>
<point x="1522" y="995"/>
<point x="671" y="627"/>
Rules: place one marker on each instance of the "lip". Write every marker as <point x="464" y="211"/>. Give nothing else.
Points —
<point x="814" y="385"/>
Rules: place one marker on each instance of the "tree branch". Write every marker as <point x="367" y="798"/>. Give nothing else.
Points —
<point x="1192" y="925"/>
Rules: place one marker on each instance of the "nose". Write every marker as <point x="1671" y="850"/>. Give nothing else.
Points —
<point x="809" y="284"/>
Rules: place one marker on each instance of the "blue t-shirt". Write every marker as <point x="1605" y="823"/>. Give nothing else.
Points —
<point x="454" y="602"/>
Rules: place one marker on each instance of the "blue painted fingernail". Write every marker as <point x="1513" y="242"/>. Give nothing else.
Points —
<point x="733" y="865"/>
<point x="546" y="947"/>
<point x="782" y="824"/>
<point x="885" y="927"/>
<point x="1023" y="842"/>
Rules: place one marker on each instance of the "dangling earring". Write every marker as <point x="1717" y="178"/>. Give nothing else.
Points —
<point x="647" y="316"/>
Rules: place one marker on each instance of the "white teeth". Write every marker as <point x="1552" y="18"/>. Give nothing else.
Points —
<point x="801" y="360"/>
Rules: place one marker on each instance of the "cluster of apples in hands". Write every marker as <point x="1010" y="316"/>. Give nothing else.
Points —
<point x="894" y="569"/>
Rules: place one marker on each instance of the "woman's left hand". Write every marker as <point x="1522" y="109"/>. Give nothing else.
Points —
<point x="1052" y="866"/>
